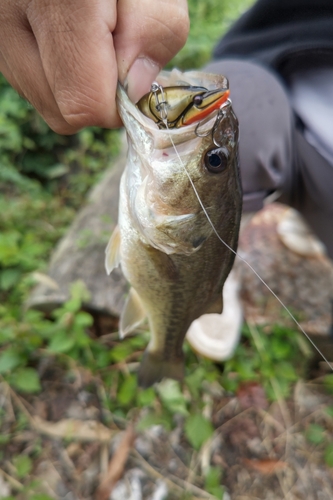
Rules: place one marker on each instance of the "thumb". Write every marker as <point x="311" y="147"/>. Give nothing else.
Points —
<point x="147" y="36"/>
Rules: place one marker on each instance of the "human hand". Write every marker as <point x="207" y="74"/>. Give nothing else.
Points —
<point x="66" y="56"/>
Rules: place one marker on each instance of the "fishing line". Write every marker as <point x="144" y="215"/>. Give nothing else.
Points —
<point x="163" y="110"/>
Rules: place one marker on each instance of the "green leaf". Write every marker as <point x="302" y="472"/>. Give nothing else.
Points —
<point x="120" y="352"/>
<point x="23" y="465"/>
<point x="6" y="334"/>
<point x="213" y="482"/>
<point x="217" y="491"/>
<point x="230" y="384"/>
<point x="9" y="248"/>
<point x="172" y="397"/>
<point x="286" y="370"/>
<point x="127" y="390"/>
<point x="197" y="430"/>
<point x="83" y="319"/>
<point x="86" y="137"/>
<point x="72" y="305"/>
<point x="194" y="381"/>
<point x="102" y="358"/>
<point x="152" y="419"/>
<point x="9" y="278"/>
<point x="25" y="380"/>
<point x="268" y="370"/>
<point x="245" y="369"/>
<point x="146" y="397"/>
<point x="139" y="341"/>
<point x="61" y="342"/>
<point x="329" y="455"/>
<point x="315" y="434"/>
<point x="280" y="348"/>
<point x="279" y="390"/>
<point x="9" y="359"/>
<point x="79" y="291"/>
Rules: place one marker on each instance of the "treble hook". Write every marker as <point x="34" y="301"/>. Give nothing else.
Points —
<point x="161" y="106"/>
<point x="219" y="118"/>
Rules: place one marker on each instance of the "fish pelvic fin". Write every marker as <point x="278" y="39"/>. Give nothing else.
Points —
<point x="112" y="251"/>
<point x="154" y="369"/>
<point x="133" y="313"/>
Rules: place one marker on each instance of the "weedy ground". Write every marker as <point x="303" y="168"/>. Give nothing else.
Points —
<point x="73" y="423"/>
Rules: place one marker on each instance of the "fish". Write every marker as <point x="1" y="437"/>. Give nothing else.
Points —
<point x="182" y="135"/>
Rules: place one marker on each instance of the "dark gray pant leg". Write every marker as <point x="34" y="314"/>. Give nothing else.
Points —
<point x="265" y="125"/>
<point x="313" y="190"/>
<point x="274" y="156"/>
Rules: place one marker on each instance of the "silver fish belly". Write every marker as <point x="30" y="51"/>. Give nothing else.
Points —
<point x="164" y="242"/>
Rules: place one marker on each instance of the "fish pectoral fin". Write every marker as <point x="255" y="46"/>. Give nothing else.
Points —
<point x="133" y="314"/>
<point x="216" y="306"/>
<point x="112" y="251"/>
<point x="154" y="369"/>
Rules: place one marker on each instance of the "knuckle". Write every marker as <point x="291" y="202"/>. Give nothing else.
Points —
<point x="60" y="126"/>
<point x="50" y="112"/>
<point x="79" y="119"/>
<point x="82" y="111"/>
<point x="99" y="116"/>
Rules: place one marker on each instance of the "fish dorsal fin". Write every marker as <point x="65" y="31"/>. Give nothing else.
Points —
<point x="132" y="314"/>
<point x="112" y="252"/>
<point x="216" y="306"/>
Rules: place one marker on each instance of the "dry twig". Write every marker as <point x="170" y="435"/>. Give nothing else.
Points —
<point x="116" y="465"/>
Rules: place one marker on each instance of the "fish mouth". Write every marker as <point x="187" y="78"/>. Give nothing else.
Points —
<point x="204" y="104"/>
<point x="214" y="90"/>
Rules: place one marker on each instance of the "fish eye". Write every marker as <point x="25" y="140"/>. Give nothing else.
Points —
<point x="197" y="100"/>
<point x="216" y="160"/>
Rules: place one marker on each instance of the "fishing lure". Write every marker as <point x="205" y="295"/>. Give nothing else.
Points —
<point x="178" y="106"/>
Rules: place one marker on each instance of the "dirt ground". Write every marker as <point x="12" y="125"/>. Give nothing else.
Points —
<point x="80" y="451"/>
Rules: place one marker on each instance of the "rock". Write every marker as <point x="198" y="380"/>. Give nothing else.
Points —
<point x="80" y="254"/>
<point x="295" y="268"/>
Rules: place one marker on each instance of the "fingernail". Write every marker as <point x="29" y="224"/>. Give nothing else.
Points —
<point x="140" y="77"/>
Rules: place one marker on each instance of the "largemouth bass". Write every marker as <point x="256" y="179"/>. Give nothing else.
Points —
<point x="164" y="242"/>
